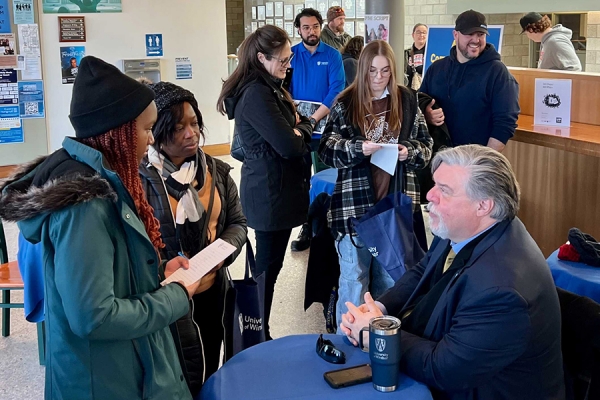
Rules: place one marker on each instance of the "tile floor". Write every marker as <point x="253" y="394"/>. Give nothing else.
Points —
<point x="21" y="376"/>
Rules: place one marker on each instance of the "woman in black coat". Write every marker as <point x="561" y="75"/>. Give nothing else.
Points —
<point x="274" y="191"/>
<point x="178" y="180"/>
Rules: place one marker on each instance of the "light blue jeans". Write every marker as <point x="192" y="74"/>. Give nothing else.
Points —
<point x="359" y="273"/>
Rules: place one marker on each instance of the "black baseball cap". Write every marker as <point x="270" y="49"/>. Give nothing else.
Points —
<point x="470" y="22"/>
<point x="529" y="18"/>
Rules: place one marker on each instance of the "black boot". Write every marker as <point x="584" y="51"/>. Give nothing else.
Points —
<point x="303" y="241"/>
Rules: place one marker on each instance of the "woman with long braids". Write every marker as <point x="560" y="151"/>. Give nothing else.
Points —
<point x="273" y="189"/>
<point x="107" y="316"/>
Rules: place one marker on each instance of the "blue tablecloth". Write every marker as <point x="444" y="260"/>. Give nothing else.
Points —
<point x="578" y="278"/>
<point x="289" y="368"/>
<point x="322" y="182"/>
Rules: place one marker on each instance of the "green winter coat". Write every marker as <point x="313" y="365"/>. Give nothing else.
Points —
<point x="107" y="317"/>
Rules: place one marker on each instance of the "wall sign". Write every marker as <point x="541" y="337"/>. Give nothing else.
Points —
<point x="71" y="29"/>
<point x="154" y="45"/>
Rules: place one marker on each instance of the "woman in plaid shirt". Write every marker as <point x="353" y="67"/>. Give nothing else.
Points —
<point x="373" y="110"/>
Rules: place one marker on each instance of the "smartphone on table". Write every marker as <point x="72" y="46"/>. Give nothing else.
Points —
<point x="348" y="376"/>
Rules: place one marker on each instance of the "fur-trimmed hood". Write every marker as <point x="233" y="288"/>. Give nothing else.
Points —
<point x="49" y="184"/>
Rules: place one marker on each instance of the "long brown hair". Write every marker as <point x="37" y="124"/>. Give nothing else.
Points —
<point x="119" y="150"/>
<point x="358" y="95"/>
<point x="268" y="40"/>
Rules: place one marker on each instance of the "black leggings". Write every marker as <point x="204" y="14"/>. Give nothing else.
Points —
<point x="270" y="251"/>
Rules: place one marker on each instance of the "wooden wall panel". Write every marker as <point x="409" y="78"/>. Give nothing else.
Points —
<point x="559" y="190"/>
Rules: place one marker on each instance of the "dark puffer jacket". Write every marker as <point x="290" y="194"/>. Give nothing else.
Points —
<point x="231" y="227"/>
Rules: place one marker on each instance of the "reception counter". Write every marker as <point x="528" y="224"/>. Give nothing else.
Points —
<point x="558" y="170"/>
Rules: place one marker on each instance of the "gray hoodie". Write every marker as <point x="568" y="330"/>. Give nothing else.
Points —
<point x="557" y="51"/>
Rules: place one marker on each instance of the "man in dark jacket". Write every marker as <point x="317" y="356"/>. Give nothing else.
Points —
<point x="478" y="97"/>
<point x="480" y="314"/>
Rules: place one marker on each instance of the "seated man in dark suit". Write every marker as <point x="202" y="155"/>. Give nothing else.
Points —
<point x="484" y="324"/>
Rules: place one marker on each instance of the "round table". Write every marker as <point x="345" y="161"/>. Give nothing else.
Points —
<point x="575" y="277"/>
<point x="323" y="182"/>
<point x="289" y="368"/>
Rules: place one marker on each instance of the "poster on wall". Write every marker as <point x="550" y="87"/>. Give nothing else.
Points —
<point x="23" y="12"/>
<point x="310" y="4"/>
<point x="154" y="45"/>
<point x="29" y="47"/>
<point x="11" y="130"/>
<point x="5" y="26"/>
<point x="279" y="8"/>
<point x="253" y="12"/>
<point x="360" y="8"/>
<point x="279" y="22"/>
<point x="183" y="68"/>
<point x="552" y="102"/>
<point x="31" y="99"/>
<point x="261" y="23"/>
<point x="349" y="28"/>
<point x="8" y="59"/>
<point x="270" y="10"/>
<point x="70" y="57"/>
<point x="81" y="6"/>
<point x="261" y="12"/>
<point x="298" y="9"/>
<point x="440" y="40"/>
<point x="333" y="3"/>
<point x="253" y="26"/>
<point x="349" y="8"/>
<point x="377" y="28"/>
<point x="289" y="28"/>
<point x="322" y="6"/>
<point x="359" y="28"/>
<point x="9" y="90"/>
<point x="289" y="12"/>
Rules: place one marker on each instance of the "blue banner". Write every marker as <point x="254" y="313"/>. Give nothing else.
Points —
<point x="5" y="25"/>
<point x="440" y="40"/>
<point x="31" y="99"/>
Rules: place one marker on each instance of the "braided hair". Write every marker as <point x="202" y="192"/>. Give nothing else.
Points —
<point x="119" y="150"/>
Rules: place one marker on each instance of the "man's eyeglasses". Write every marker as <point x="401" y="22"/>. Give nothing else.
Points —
<point x="386" y="72"/>
<point x="285" y="61"/>
<point x="328" y="352"/>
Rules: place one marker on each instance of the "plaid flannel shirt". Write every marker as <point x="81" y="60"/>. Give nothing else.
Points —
<point x="341" y="148"/>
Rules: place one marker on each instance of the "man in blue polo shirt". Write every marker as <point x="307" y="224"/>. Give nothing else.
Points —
<point x="317" y="75"/>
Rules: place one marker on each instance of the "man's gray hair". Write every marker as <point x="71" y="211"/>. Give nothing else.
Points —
<point x="491" y="177"/>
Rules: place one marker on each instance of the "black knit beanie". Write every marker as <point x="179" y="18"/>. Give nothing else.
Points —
<point x="104" y="98"/>
<point x="587" y="247"/>
<point x="167" y="94"/>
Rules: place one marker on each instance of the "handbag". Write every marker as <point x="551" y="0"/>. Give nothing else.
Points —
<point x="244" y="309"/>
<point x="387" y="231"/>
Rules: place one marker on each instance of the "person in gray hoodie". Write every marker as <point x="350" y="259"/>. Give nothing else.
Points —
<point x="556" y="51"/>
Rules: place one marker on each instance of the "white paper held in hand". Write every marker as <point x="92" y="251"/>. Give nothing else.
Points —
<point x="202" y="263"/>
<point x="386" y="158"/>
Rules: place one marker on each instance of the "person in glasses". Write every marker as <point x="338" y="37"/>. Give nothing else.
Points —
<point x="414" y="57"/>
<point x="273" y="188"/>
<point x="317" y="75"/>
<point x="333" y="33"/>
<point x="373" y="110"/>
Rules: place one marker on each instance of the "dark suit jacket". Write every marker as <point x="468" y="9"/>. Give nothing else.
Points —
<point x="495" y="331"/>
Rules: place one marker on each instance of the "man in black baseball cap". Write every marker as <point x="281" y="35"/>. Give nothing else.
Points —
<point x="473" y="92"/>
<point x="470" y="22"/>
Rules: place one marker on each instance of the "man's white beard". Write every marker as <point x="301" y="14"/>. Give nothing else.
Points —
<point x="441" y="230"/>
